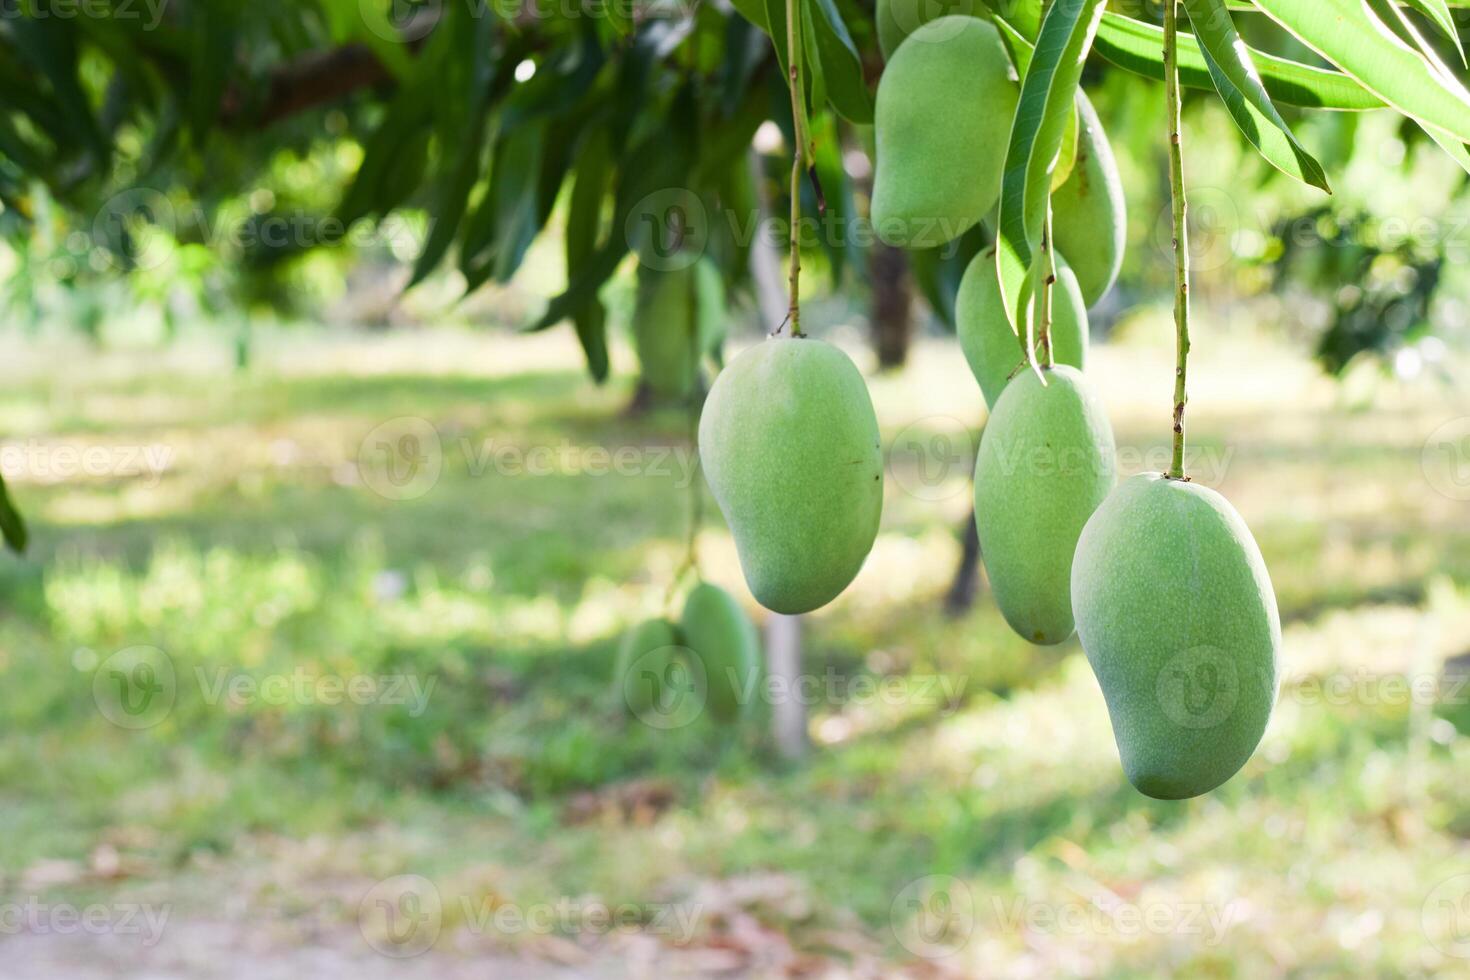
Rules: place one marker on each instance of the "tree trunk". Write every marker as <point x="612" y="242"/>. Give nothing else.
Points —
<point x="783" y="660"/>
<point x="966" y="585"/>
<point x="893" y="300"/>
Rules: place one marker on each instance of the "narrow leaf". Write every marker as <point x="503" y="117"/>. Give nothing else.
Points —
<point x="841" y="64"/>
<point x="1438" y="13"/>
<point x="49" y="45"/>
<point x="1017" y="45"/>
<point x="1349" y="35"/>
<point x="454" y="187"/>
<point x="12" y="525"/>
<point x="1138" y="47"/>
<point x="1245" y="98"/>
<point x="1048" y="100"/>
<point x="1457" y="150"/>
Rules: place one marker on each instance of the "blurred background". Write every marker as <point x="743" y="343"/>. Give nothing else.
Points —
<point x="323" y="425"/>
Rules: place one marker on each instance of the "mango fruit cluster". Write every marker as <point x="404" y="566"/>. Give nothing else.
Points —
<point x="711" y="657"/>
<point x="1159" y="577"/>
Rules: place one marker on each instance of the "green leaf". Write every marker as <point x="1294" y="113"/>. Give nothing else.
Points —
<point x="1245" y="98"/>
<point x="49" y="45"/>
<point x="1017" y="46"/>
<point x="656" y="166"/>
<point x="1349" y="35"/>
<point x="592" y="171"/>
<point x="1438" y="13"/>
<point x="1457" y="150"/>
<point x="367" y="21"/>
<point x="590" y="322"/>
<point x="776" y="27"/>
<point x="452" y="194"/>
<point x="501" y="228"/>
<point x="397" y="147"/>
<point x="1138" y="47"/>
<point x="811" y="63"/>
<point x="1048" y="100"/>
<point x="212" y="31"/>
<point x="1020" y="50"/>
<point x="1022" y="15"/>
<point x="841" y="64"/>
<point x="753" y="11"/>
<point x="12" y="525"/>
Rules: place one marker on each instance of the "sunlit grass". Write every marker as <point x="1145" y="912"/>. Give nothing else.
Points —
<point x="262" y="551"/>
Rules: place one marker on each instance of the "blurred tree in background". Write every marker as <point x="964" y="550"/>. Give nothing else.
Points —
<point x="184" y="157"/>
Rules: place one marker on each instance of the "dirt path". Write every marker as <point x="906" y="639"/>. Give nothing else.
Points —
<point x="218" y="950"/>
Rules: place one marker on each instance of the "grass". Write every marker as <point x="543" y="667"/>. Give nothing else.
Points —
<point x="261" y="555"/>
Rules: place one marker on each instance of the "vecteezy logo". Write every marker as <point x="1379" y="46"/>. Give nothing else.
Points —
<point x="1199" y="687"/>
<point x="401" y="459"/>
<point x="932" y="458"/>
<point x="668" y="229"/>
<point x="1446" y="916"/>
<point x="933" y="916"/>
<point x="909" y="17"/>
<point x="406" y="21"/>
<point x="1213" y="225"/>
<point x="135" y="688"/>
<point x="1446" y="458"/>
<point x="133" y="229"/>
<point x="401" y="916"/>
<point x="666" y="688"/>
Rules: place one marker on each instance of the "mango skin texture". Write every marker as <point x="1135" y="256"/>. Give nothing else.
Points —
<point x="790" y="447"/>
<point x="718" y="633"/>
<point x="990" y="347"/>
<point x="679" y="317"/>
<point x="1089" y="214"/>
<point x="942" y="123"/>
<point x="897" y="19"/>
<point x="1047" y="460"/>
<point x="1176" y="612"/>
<point x="648" y="650"/>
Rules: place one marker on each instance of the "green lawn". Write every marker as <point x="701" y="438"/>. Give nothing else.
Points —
<point x="263" y="554"/>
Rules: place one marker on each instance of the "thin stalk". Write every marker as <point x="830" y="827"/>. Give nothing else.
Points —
<point x="798" y="116"/>
<point x="692" y="412"/>
<point x="1181" y="232"/>
<point x="1043" y="296"/>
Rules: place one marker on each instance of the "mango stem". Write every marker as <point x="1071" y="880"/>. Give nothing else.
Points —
<point x="793" y="57"/>
<point x="1043" y="292"/>
<point x="1181" y="232"/>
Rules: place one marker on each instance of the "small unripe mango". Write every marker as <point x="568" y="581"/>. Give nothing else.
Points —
<point x="645" y="657"/>
<point x="679" y="317"/>
<point x="942" y="123"/>
<point x="1089" y="215"/>
<point x="789" y="443"/>
<point x="1046" y="462"/>
<point x="723" y="639"/>
<point x="991" y="348"/>
<point x="1176" y="613"/>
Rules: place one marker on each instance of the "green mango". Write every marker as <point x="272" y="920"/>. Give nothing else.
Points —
<point x="897" y="19"/>
<point x="985" y="335"/>
<point x="647" y="654"/>
<point x="942" y="123"/>
<point x="1176" y="613"/>
<point x="1089" y="215"/>
<point x="723" y="639"/>
<point x="790" y="447"/>
<point x="1046" y="461"/>
<point x="679" y="317"/>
